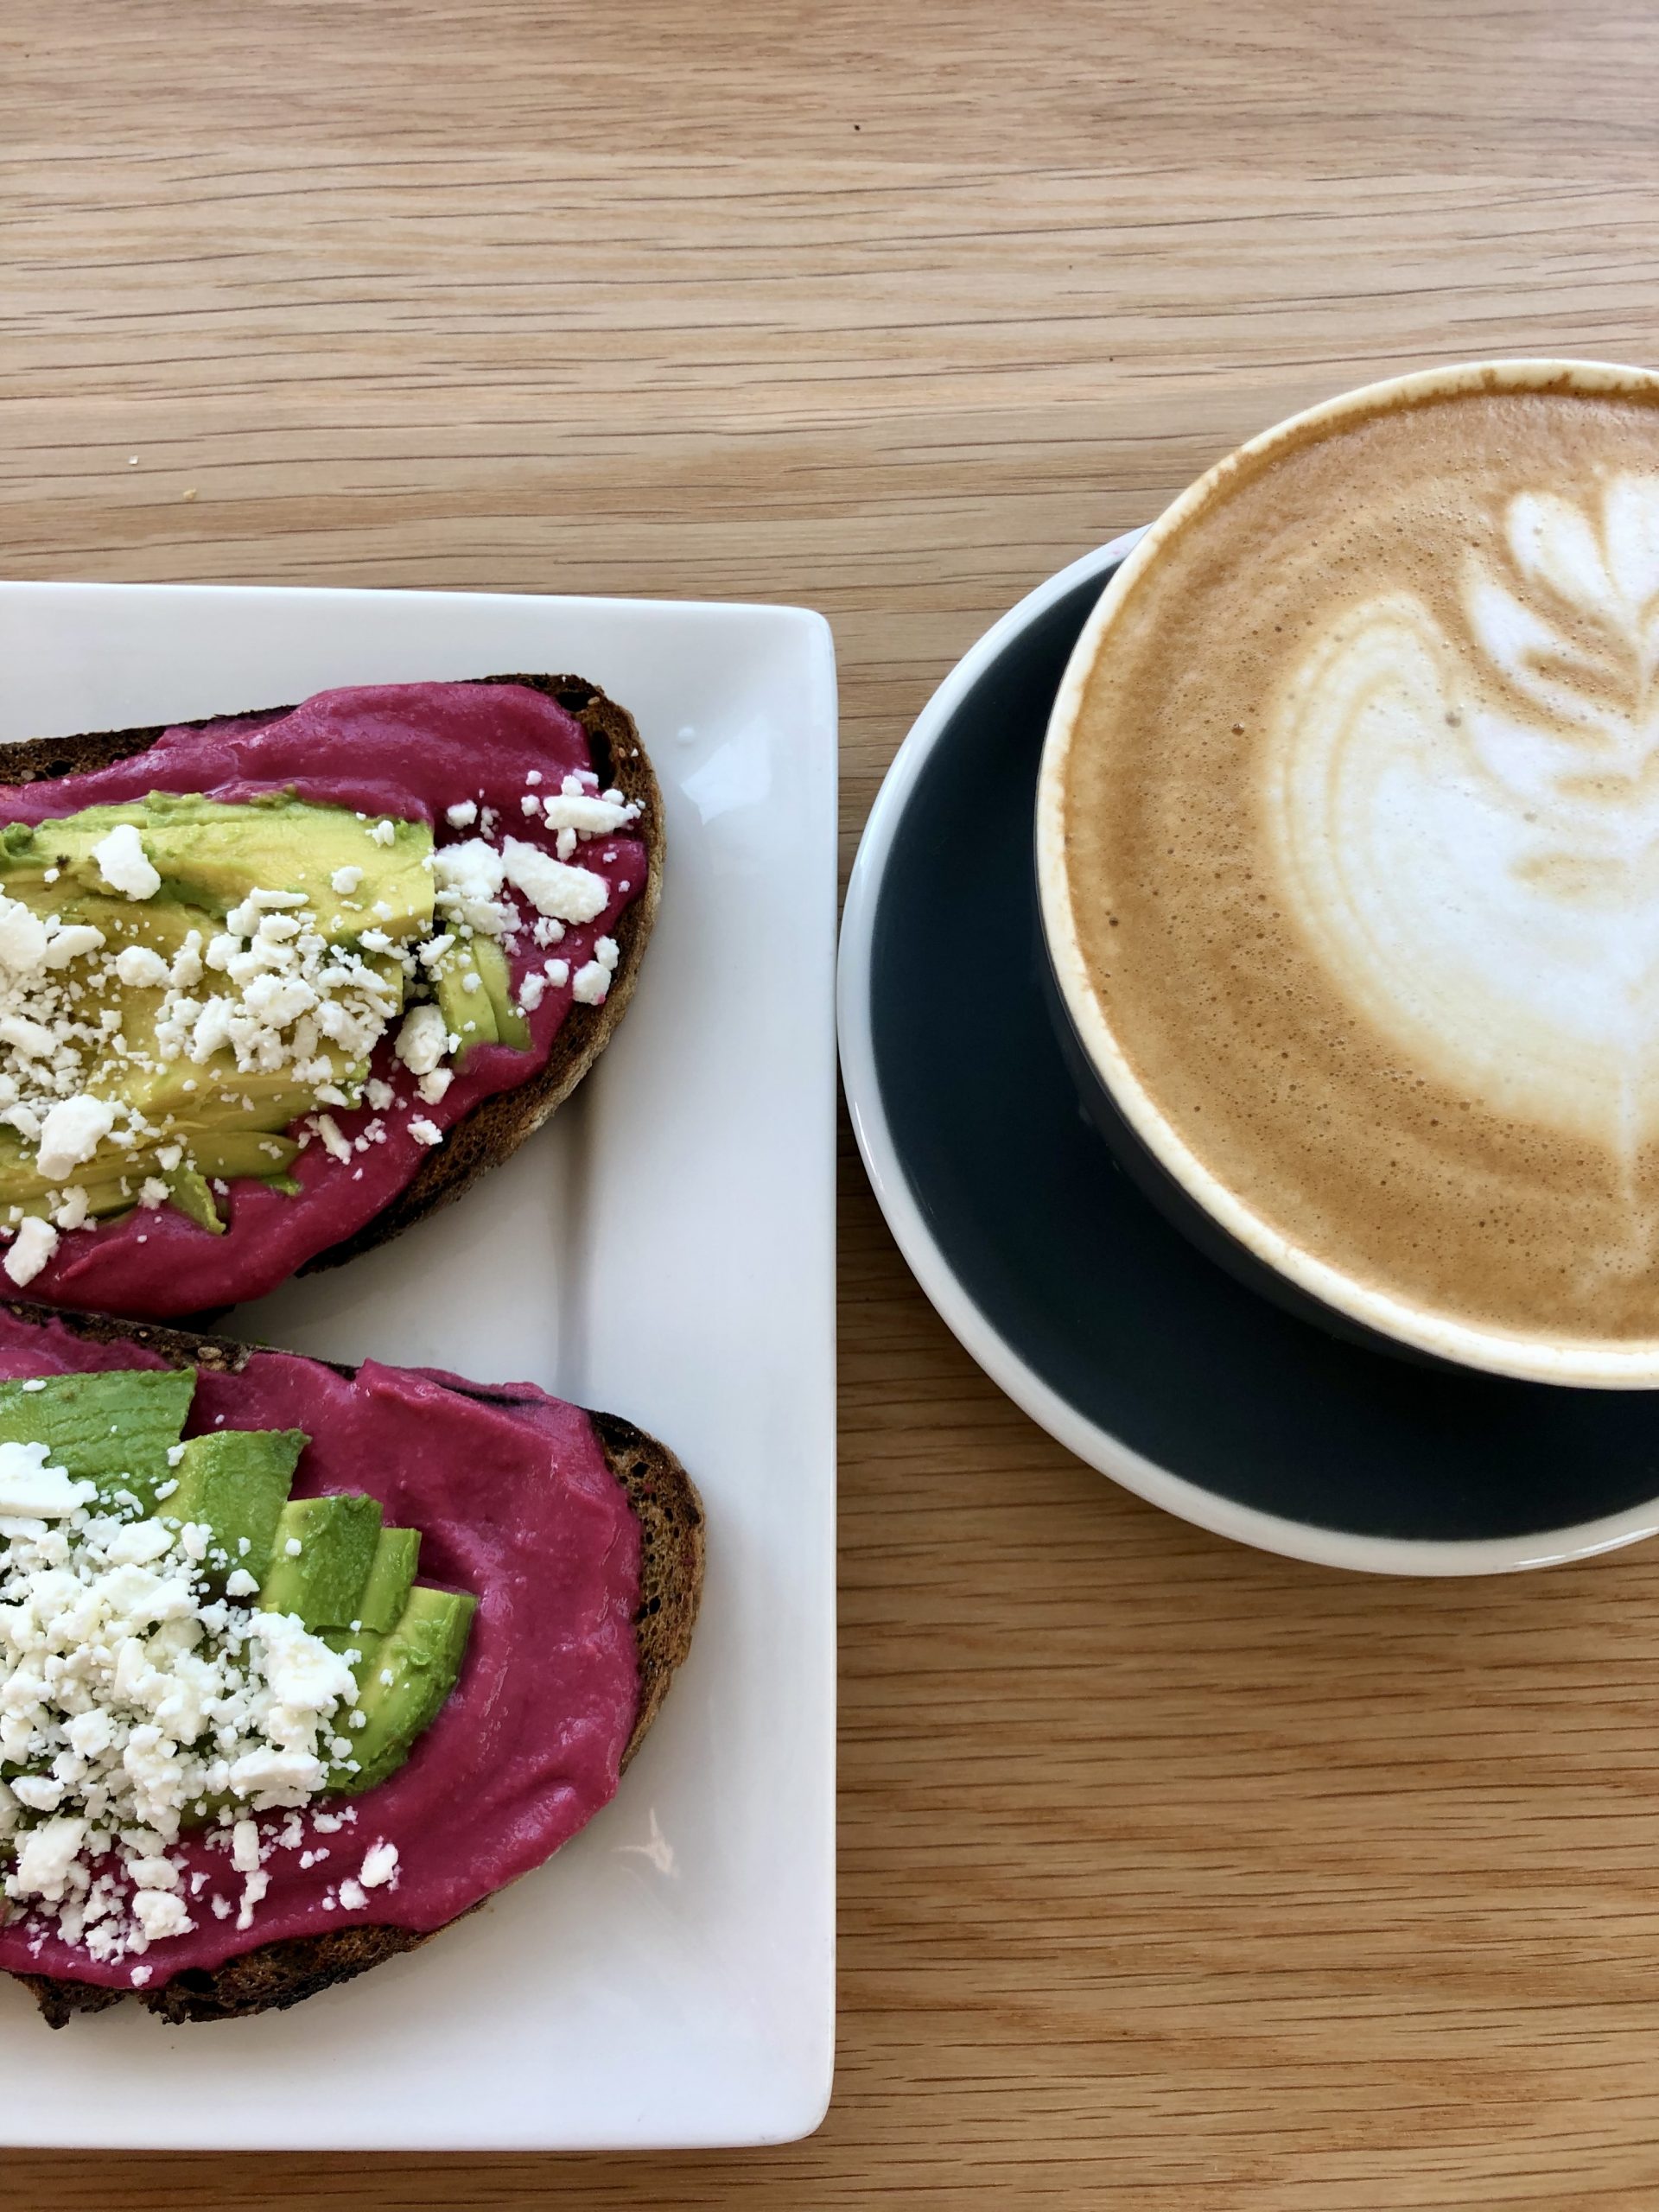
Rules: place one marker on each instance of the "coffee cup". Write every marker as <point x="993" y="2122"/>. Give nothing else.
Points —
<point x="1348" y="865"/>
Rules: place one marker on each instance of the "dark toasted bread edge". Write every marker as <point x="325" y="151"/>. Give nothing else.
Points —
<point x="664" y="1503"/>
<point x="495" y="1127"/>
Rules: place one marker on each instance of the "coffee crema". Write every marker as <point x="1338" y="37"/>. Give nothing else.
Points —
<point x="1361" y="834"/>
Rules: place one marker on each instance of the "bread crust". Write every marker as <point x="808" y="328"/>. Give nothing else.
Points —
<point x="272" y="1976"/>
<point x="496" y="1127"/>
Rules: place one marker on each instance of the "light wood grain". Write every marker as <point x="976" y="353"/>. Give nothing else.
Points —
<point x="1174" y="1877"/>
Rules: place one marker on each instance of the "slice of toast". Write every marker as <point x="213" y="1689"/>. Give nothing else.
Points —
<point x="496" y="1127"/>
<point x="664" y="1503"/>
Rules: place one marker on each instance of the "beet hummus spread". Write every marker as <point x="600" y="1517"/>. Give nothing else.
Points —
<point x="408" y="752"/>
<point x="517" y="1504"/>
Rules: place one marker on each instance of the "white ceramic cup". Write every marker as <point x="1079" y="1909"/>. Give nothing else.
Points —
<point x="1219" y="1219"/>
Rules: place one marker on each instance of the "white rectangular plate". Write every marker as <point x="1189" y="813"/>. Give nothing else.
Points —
<point x="664" y="1250"/>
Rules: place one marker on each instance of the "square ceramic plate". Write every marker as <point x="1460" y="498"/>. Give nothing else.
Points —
<point x="663" y="1249"/>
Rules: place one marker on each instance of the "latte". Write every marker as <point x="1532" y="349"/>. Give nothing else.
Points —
<point x="1353" y="811"/>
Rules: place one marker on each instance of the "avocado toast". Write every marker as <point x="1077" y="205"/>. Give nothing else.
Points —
<point x="410" y="1532"/>
<point x="274" y="986"/>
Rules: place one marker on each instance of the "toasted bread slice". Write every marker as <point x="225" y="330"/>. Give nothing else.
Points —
<point x="664" y="1503"/>
<point x="498" y="1125"/>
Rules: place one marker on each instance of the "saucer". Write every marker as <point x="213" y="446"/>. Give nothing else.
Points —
<point x="1071" y="1291"/>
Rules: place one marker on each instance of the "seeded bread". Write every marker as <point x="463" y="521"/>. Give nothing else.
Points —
<point x="498" y="1125"/>
<point x="664" y="1503"/>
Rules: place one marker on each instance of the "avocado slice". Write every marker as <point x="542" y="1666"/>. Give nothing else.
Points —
<point x="210" y="856"/>
<point x="322" y="1582"/>
<point x="114" y="1428"/>
<point x="237" y="1481"/>
<point x="467" y="1013"/>
<point x="510" y="1027"/>
<point x="397" y="1557"/>
<point x="403" y="1680"/>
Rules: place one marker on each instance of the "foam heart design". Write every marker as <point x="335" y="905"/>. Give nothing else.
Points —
<point x="1464" y="815"/>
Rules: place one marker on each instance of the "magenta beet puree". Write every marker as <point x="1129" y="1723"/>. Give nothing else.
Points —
<point x="515" y="1503"/>
<point x="411" y="750"/>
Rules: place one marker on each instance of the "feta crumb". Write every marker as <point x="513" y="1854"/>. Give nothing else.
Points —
<point x="425" y="1132"/>
<point x="345" y="880"/>
<point x="432" y="1086"/>
<point x="292" y="1549"/>
<point x="570" y="894"/>
<point x="530" y="992"/>
<point x="379" y="1865"/>
<point x="462" y="815"/>
<point x="72" y="1133"/>
<point x="379" y="1095"/>
<point x="384" y="833"/>
<point x="529" y="804"/>
<point x="140" y="968"/>
<point x="175" y="1454"/>
<point x="592" y="984"/>
<point x="241" y="1584"/>
<point x="72" y="1212"/>
<point x="333" y="1141"/>
<point x="29" y="1251"/>
<point x="31" y="1485"/>
<point x="422" y="1040"/>
<point x="353" y="1894"/>
<point x="122" y="863"/>
<point x="533" y="776"/>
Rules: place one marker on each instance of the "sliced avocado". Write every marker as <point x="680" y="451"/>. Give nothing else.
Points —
<point x="237" y="1481"/>
<point x="209" y="855"/>
<point x="468" y="1014"/>
<point x="322" y="1582"/>
<point x="194" y="1198"/>
<point x="510" y="1027"/>
<point x="114" y="1429"/>
<point x="239" y="1151"/>
<point x="404" y="1682"/>
<point x="397" y="1557"/>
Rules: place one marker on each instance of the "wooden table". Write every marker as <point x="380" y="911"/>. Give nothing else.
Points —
<point x="1174" y="1877"/>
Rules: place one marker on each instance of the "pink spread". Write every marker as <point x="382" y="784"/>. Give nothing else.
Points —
<point x="408" y="750"/>
<point x="515" y="1503"/>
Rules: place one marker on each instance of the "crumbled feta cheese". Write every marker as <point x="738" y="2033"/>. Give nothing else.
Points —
<point x="607" y="952"/>
<point x="240" y="1584"/>
<point x="384" y="833"/>
<point x="29" y="1251"/>
<point x="422" y="1040"/>
<point x="592" y="984"/>
<point x="22" y="937"/>
<point x="345" y="881"/>
<point x="425" y="1132"/>
<point x="72" y="1133"/>
<point x="530" y="992"/>
<point x="379" y="1095"/>
<point x="529" y="804"/>
<point x="462" y="815"/>
<point x="333" y="1141"/>
<point x="589" y="817"/>
<point x="379" y="1865"/>
<point x="244" y="1847"/>
<point x="353" y="1894"/>
<point x="140" y="968"/>
<point x="434" y="1083"/>
<point x="122" y="863"/>
<point x="570" y="894"/>
<point x="153" y="1191"/>
<point x="31" y="1486"/>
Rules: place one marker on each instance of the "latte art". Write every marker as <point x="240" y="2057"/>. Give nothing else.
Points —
<point x="1465" y="817"/>
<point x="1359" y="813"/>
